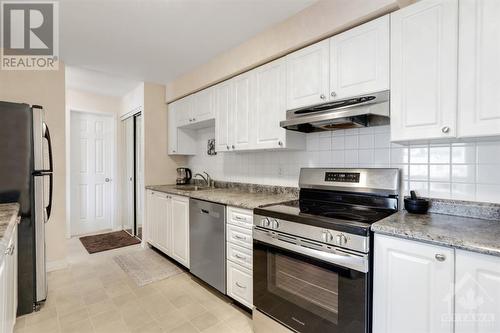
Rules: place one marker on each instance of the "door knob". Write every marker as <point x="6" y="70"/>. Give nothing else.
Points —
<point x="333" y="94"/>
<point x="107" y="180"/>
<point x="322" y="96"/>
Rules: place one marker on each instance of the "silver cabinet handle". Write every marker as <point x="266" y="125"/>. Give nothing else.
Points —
<point x="440" y="257"/>
<point x="241" y="286"/>
<point x="107" y="180"/>
<point x="240" y="257"/>
<point x="194" y="119"/>
<point x="239" y="237"/>
<point x="10" y="250"/>
<point x="333" y="94"/>
<point x="445" y="129"/>
<point x="227" y="147"/>
<point x="322" y="96"/>
<point x="232" y="146"/>
<point x="239" y="218"/>
<point x="280" y="143"/>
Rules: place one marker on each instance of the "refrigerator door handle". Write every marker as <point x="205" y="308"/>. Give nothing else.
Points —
<point x="48" y="209"/>
<point x="46" y="135"/>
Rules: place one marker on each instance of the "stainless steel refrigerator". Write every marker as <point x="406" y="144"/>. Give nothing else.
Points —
<point x="26" y="176"/>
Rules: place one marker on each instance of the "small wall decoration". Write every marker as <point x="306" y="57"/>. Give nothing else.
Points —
<point x="211" y="147"/>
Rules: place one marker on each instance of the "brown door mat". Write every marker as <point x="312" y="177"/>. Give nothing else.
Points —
<point x="108" y="241"/>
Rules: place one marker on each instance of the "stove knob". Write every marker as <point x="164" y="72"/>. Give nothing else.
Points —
<point x="265" y="222"/>
<point x="276" y="224"/>
<point x="341" y="239"/>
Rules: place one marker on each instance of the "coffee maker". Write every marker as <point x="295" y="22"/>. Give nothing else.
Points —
<point x="183" y="176"/>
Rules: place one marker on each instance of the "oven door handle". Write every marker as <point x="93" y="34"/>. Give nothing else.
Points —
<point x="340" y="258"/>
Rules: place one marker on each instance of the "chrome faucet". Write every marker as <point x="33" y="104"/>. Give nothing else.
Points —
<point x="206" y="179"/>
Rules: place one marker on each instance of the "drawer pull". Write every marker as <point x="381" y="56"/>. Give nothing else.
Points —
<point x="241" y="286"/>
<point x="239" y="237"/>
<point x="440" y="257"/>
<point x="239" y="218"/>
<point x="240" y="257"/>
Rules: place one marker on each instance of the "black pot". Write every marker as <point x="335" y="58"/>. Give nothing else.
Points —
<point x="416" y="205"/>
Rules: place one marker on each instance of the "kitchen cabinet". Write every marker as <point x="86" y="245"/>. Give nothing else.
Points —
<point x="203" y="106"/>
<point x="167" y="218"/>
<point x="477" y="293"/>
<point x="181" y="141"/>
<point x="270" y="109"/>
<point x="479" y="68"/>
<point x="359" y="60"/>
<point x="239" y="255"/>
<point x="424" y="59"/>
<point x="242" y="116"/>
<point x="223" y="113"/>
<point x="180" y="228"/>
<point x="412" y="286"/>
<point x="8" y="285"/>
<point x="307" y="75"/>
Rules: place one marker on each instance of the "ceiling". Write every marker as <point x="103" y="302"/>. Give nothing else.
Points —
<point x="158" y="40"/>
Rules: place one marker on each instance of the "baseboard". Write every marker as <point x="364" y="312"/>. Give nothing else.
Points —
<point x="56" y="265"/>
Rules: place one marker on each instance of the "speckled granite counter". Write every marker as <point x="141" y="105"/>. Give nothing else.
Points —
<point x="229" y="196"/>
<point x="472" y="234"/>
<point x="8" y="218"/>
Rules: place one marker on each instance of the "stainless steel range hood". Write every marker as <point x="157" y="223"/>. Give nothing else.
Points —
<point x="359" y="111"/>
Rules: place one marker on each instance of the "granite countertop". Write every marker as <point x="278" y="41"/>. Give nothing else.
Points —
<point x="467" y="233"/>
<point x="228" y="196"/>
<point x="8" y="219"/>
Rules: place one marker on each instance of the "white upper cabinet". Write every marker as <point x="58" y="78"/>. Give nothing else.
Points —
<point x="184" y="109"/>
<point x="424" y="45"/>
<point x="270" y="108"/>
<point x="479" y="68"/>
<point x="180" y="141"/>
<point x="359" y="60"/>
<point x="203" y="106"/>
<point x="172" y="129"/>
<point x="477" y="292"/>
<point x="412" y="287"/>
<point x="242" y="115"/>
<point x="307" y="72"/>
<point x="223" y="116"/>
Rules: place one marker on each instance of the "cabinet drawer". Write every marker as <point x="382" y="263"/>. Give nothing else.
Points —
<point x="239" y="236"/>
<point x="160" y="194"/>
<point x="240" y="255"/>
<point x="240" y="284"/>
<point x="240" y="217"/>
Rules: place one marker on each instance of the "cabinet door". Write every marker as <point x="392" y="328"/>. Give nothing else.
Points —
<point x="184" y="111"/>
<point x="307" y="72"/>
<point x="240" y="284"/>
<point x="172" y="128"/>
<point x="270" y="106"/>
<point x="163" y="222"/>
<point x="223" y="116"/>
<point x="479" y="68"/>
<point x="424" y="41"/>
<point x="179" y="218"/>
<point x="477" y="293"/>
<point x="360" y="60"/>
<point x="243" y="107"/>
<point x="203" y="105"/>
<point x="412" y="287"/>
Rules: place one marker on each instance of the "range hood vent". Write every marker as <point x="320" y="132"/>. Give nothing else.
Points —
<point x="360" y="111"/>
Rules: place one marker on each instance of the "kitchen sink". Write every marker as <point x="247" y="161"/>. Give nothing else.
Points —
<point x="191" y="187"/>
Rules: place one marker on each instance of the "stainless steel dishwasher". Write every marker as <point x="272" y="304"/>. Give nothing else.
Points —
<point x="207" y="239"/>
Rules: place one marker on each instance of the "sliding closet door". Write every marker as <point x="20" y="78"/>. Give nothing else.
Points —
<point x="139" y="175"/>
<point x="128" y="179"/>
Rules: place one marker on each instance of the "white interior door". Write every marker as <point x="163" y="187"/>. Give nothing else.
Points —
<point x="129" y="179"/>
<point x="139" y="177"/>
<point x="92" y="201"/>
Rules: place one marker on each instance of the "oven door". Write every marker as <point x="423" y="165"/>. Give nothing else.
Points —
<point x="305" y="293"/>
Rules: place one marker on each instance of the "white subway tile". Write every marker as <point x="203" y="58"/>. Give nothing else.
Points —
<point x="338" y="157"/>
<point x="488" y="152"/>
<point x="382" y="156"/>
<point x="351" y="157"/>
<point x="404" y="170"/>
<point x="419" y="172"/>
<point x="464" y="153"/>
<point x="365" y="157"/>
<point x="399" y="155"/>
<point x="488" y="193"/>
<point x="351" y="131"/>
<point x="421" y="188"/>
<point x="338" y="142"/>
<point x="366" y="141"/>
<point x="351" y="142"/>
<point x="463" y="191"/>
<point x="419" y="155"/>
<point x="366" y="130"/>
<point x="382" y="129"/>
<point x="382" y="140"/>
<point x="439" y="155"/>
<point x="439" y="172"/>
<point x="440" y="190"/>
<point x="463" y="173"/>
<point x="325" y="143"/>
<point x="488" y="174"/>
<point x="312" y="142"/>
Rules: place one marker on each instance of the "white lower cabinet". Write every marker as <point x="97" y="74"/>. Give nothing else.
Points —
<point x="167" y="218"/>
<point x="412" y="287"/>
<point x="477" y="293"/>
<point x="8" y="286"/>
<point x="239" y="255"/>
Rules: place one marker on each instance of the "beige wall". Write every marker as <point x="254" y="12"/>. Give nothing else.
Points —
<point x="78" y="100"/>
<point x="323" y="19"/>
<point x="159" y="167"/>
<point x="46" y="88"/>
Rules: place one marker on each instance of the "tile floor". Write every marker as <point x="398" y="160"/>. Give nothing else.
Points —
<point x="94" y="295"/>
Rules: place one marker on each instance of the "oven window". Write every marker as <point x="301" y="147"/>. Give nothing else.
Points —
<point x="310" y="287"/>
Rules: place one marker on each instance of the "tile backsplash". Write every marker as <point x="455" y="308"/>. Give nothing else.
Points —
<point x="458" y="170"/>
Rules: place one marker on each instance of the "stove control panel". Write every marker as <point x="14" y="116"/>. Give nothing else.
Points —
<point x="270" y="223"/>
<point x="342" y="177"/>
